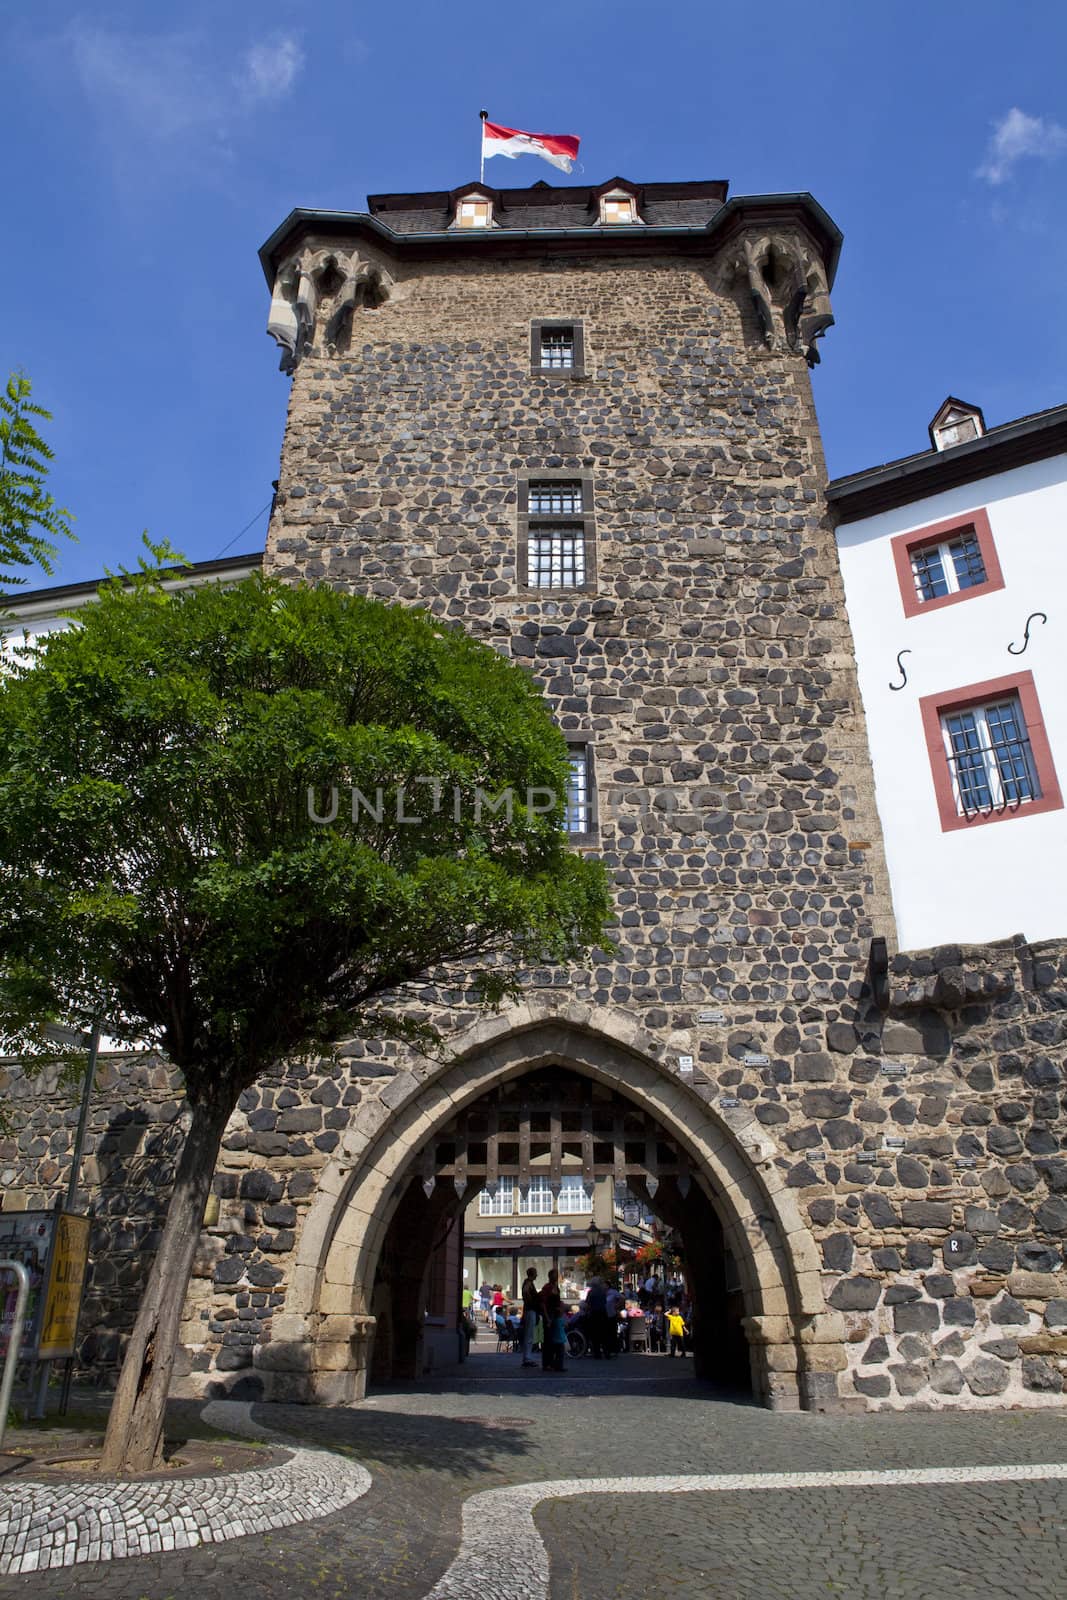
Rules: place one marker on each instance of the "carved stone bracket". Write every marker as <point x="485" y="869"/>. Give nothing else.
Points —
<point x="787" y="283"/>
<point x="324" y="285"/>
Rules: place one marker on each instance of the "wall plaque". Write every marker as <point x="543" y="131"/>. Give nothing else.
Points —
<point x="751" y="1058"/>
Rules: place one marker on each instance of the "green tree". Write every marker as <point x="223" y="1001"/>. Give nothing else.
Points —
<point x="156" y="843"/>
<point x="30" y="521"/>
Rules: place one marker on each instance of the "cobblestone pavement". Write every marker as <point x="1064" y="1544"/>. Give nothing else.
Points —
<point x="491" y="1425"/>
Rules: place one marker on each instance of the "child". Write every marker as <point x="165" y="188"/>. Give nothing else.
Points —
<point x="657" y="1330"/>
<point x="677" y="1330"/>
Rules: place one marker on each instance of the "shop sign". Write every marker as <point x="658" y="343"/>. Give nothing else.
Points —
<point x="548" y="1230"/>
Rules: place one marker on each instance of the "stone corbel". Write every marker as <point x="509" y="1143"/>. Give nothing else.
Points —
<point x="304" y="285"/>
<point x="808" y="313"/>
<point x="283" y="324"/>
<point x="787" y="284"/>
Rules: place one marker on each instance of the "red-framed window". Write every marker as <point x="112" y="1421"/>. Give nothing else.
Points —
<point x="989" y="752"/>
<point x="946" y="562"/>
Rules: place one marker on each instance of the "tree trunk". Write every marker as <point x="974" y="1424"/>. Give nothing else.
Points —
<point x="134" y="1440"/>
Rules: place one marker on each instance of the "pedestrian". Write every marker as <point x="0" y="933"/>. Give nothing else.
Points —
<point x="555" y="1334"/>
<point x="531" y="1313"/>
<point x="657" y="1330"/>
<point x="614" y="1304"/>
<point x="676" y="1330"/>
<point x="596" y="1317"/>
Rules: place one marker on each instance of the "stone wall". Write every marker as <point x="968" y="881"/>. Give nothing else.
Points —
<point x="133" y="1139"/>
<point x="925" y="1146"/>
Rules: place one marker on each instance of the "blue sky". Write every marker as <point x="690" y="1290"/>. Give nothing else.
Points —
<point x="151" y="149"/>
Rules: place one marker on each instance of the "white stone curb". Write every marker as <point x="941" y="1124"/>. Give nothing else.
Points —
<point x="502" y="1550"/>
<point x="57" y="1525"/>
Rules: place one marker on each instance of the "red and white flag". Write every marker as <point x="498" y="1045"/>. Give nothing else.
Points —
<point x="559" y="148"/>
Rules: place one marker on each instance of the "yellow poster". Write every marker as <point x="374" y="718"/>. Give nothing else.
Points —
<point x="69" y="1257"/>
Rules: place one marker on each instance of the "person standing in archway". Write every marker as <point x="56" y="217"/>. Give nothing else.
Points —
<point x="555" y="1338"/>
<point x="531" y="1311"/>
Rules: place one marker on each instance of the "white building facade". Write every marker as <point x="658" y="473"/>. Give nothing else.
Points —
<point x="955" y="572"/>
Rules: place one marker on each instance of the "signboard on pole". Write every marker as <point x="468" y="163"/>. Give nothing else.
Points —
<point x="53" y="1246"/>
<point x="70" y="1256"/>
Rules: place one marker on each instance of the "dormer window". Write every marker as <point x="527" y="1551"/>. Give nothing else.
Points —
<point x="474" y="214"/>
<point x="956" y="423"/>
<point x="618" y="208"/>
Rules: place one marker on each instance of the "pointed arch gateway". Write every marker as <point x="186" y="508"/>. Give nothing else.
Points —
<point x="322" y="1340"/>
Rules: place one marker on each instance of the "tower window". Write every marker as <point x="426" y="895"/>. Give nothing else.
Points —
<point x="557" y="540"/>
<point x="580" y="816"/>
<point x="563" y="499"/>
<point x="556" y="557"/>
<point x="946" y="562"/>
<point x="557" y="349"/>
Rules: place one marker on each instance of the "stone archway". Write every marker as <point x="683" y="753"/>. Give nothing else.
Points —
<point x="320" y="1345"/>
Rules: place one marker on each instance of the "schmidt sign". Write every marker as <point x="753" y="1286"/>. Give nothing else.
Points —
<point x="550" y="1229"/>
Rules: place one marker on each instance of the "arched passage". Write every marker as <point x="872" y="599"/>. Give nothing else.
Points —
<point x="321" y="1343"/>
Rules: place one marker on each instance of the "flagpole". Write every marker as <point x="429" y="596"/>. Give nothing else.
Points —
<point x="481" y="171"/>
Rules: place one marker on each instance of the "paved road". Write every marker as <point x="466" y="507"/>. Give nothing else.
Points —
<point x="431" y="1449"/>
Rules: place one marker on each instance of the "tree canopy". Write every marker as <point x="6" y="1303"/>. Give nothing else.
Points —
<point x="31" y="522"/>
<point x="159" y="858"/>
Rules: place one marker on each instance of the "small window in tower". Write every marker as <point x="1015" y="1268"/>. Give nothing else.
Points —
<point x="580" y="814"/>
<point x="560" y="499"/>
<point x="474" y="214"/>
<point x="557" y="349"/>
<point x="617" y="209"/>
<point x="556" y="557"/>
<point x="557" y="538"/>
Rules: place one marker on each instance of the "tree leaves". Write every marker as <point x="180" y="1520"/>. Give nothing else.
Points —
<point x="30" y="521"/>
<point x="155" y="837"/>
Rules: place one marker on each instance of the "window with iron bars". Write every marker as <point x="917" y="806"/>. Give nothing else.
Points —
<point x="556" y="557"/>
<point x="549" y="498"/>
<point x="557" y="349"/>
<point x="941" y="569"/>
<point x="989" y="757"/>
<point x="579" y="812"/>
<point x="500" y="1204"/>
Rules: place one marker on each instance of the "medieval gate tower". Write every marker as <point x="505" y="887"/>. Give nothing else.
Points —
<point x="578" y="422"/>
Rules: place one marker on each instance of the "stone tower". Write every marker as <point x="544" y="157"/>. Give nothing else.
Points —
<point x="579" y="423"/>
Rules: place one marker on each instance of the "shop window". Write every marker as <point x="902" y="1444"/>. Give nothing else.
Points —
<point x="946" y="562"/>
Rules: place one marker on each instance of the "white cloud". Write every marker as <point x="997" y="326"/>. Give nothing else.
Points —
<point x="1017" y="135"/>
<point x="271" y="66"/>
<point x="173" y="89"/>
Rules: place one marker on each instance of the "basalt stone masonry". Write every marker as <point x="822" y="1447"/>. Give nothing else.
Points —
<point x="886" y="1149"/>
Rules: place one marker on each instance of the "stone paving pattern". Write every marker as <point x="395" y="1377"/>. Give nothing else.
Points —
<point x="56" y="1524"/>
<point x="428" y="1451"/>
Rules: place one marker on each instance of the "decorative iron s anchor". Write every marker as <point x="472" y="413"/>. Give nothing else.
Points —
<point x="1020" y="649"/>
<point x="901" y="669"/>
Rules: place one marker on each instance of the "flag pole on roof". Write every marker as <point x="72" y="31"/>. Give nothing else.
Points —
<point x="561" y="149"/>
